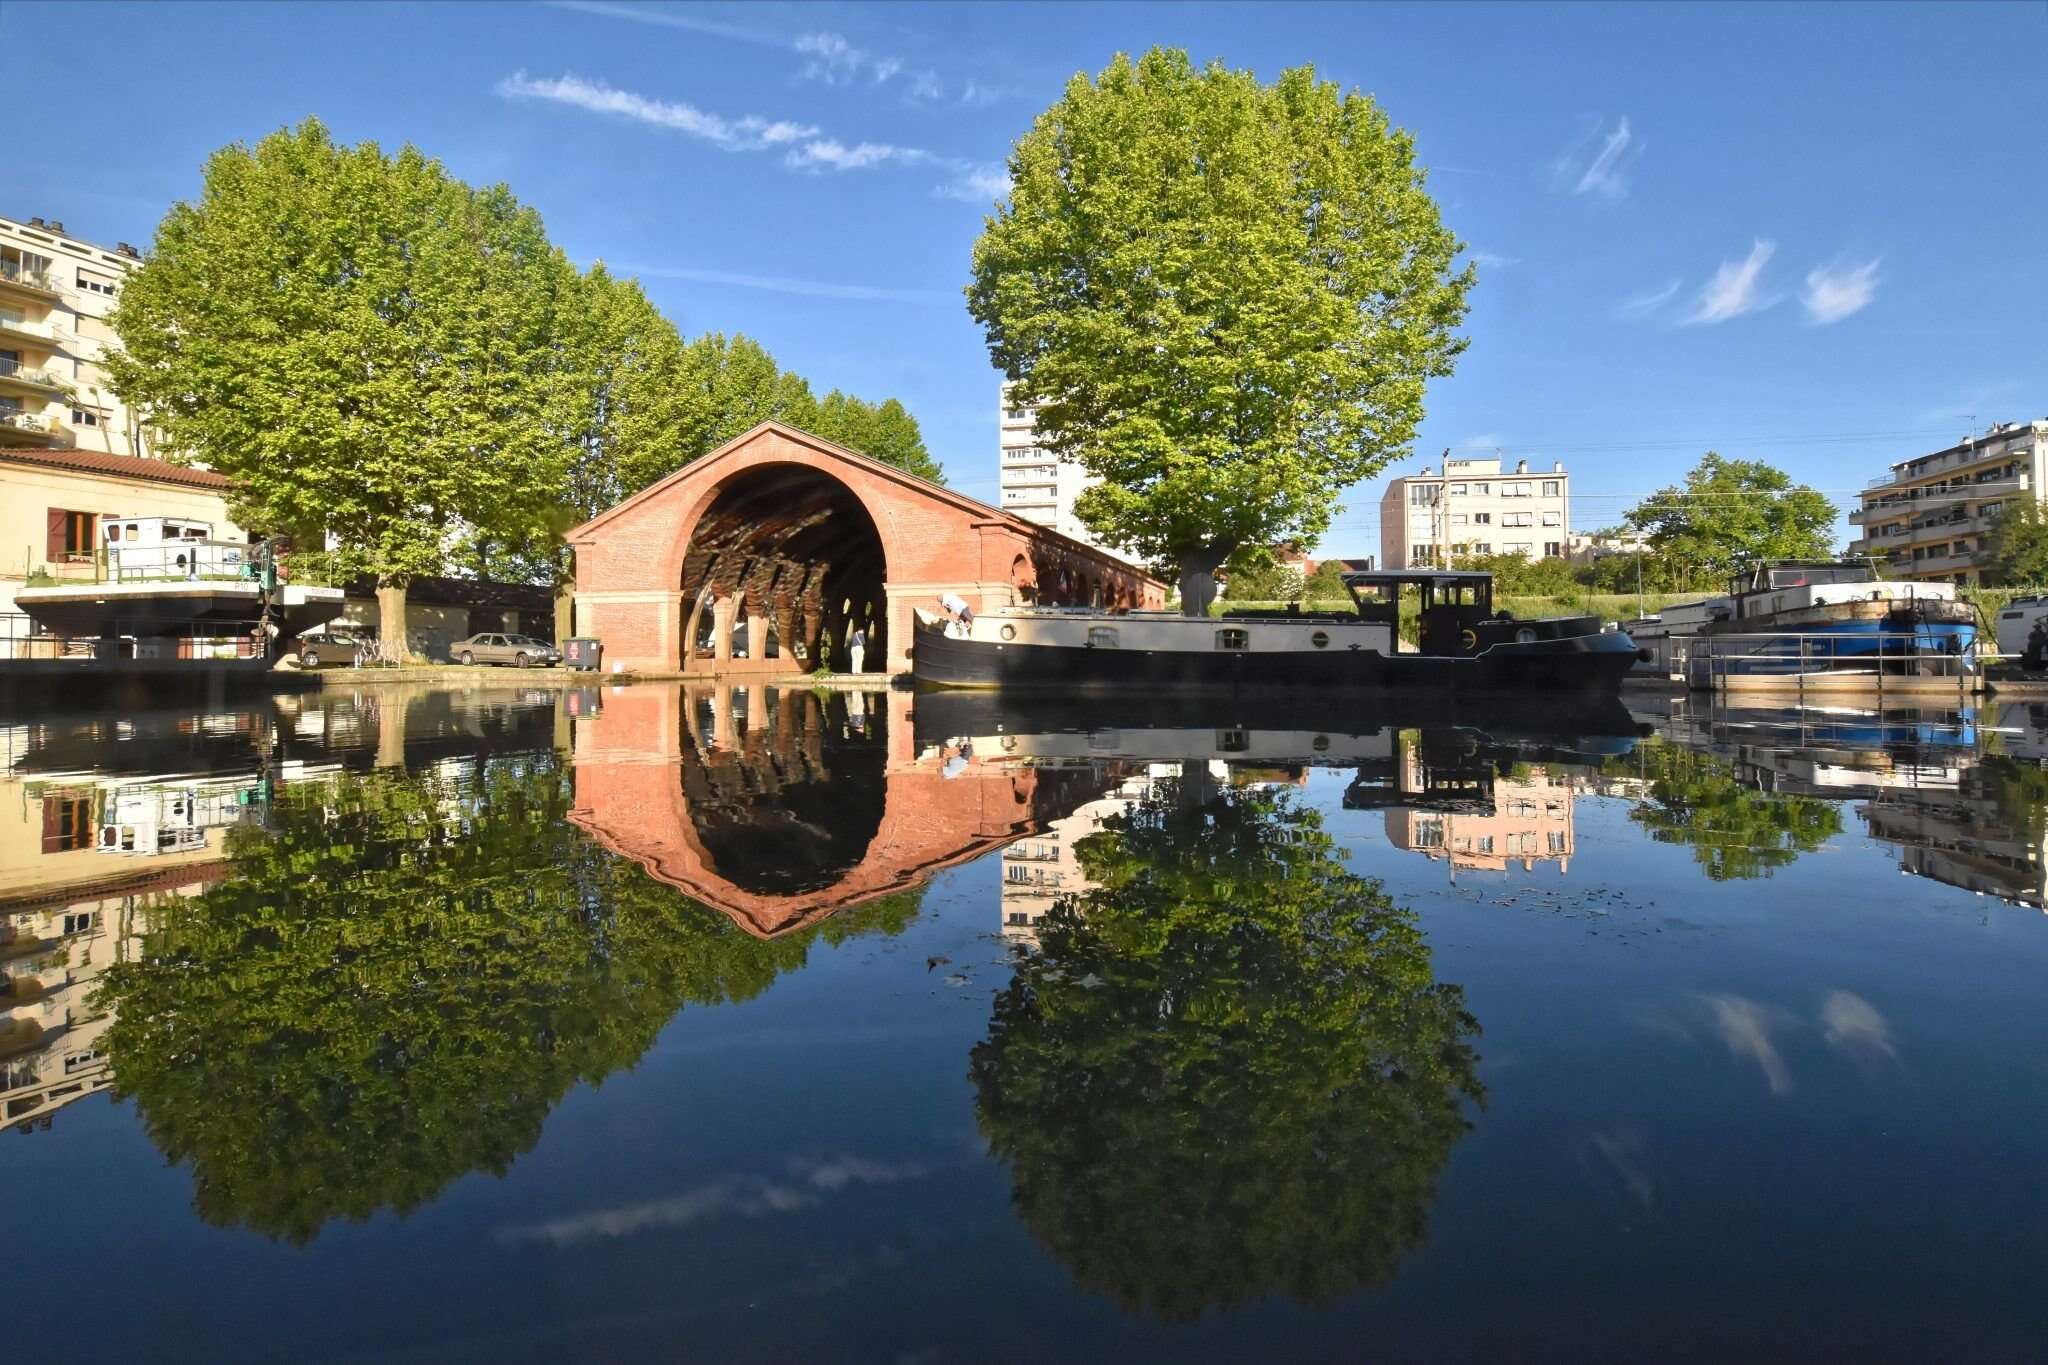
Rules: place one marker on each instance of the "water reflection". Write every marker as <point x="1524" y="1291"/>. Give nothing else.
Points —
<point x="1228" y="1072"/>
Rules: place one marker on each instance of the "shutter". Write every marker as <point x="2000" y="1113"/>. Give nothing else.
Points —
<point x="59" y="525"/>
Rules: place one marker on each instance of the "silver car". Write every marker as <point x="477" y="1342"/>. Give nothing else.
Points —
<point x="521" y="651"/>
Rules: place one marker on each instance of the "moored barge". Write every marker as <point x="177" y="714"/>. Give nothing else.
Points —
<point x="1464" y="646"/>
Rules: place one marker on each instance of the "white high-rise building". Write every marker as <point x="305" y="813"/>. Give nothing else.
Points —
<point x="55" y="294"/>
<point x="1475" y="507"/>
<point x="1036" y="484"/>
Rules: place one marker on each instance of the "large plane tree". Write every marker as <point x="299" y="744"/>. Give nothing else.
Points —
<point x="1226" y="295"/>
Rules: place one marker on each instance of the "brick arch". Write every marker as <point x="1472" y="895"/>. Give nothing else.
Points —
<point x="631" y="559"/>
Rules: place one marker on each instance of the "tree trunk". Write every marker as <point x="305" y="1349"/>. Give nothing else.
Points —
<point x="1198" y="577"/>
<point x="565" y="613"/>
<point x="391" y="633"/>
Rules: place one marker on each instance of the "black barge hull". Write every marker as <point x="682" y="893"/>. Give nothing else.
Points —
<point x="1594" y="663"/>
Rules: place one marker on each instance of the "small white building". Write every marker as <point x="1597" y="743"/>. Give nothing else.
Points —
<point x="1474" y="507"/>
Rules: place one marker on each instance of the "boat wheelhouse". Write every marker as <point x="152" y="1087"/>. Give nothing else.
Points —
<point x="1463" y="645"/>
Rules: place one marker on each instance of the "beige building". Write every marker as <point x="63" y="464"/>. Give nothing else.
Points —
<point x="1040" y="868"/>
<point x="1034" y="483"/>
<point x="55" y="295"/>
<point x="1474" y="507"/>
<point x="53" y="501"/>
<point x="1930" y="519"/>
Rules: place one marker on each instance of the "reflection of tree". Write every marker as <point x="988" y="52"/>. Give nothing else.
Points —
<point x="1736" y="831"/>
<point x="400" y="978"/>
<point x="1229" y="1072"/>
<point x="2018" y="793"/>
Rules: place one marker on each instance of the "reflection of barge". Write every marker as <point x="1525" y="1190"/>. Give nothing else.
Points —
<point x="1464" y="646"/>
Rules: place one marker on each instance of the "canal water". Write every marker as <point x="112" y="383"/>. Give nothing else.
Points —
<point x="741" y="1024"/>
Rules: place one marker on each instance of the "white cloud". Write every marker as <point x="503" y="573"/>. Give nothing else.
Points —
<point x="1645" y="304"/>
<point x="781" y="284"/>
<point x="1493" y="260"/>
<point x="886" y="70"/>
<point x="1736" y="289"/>
<point x="830" y="154"/>
<point x="670" y="18"/>
<point x="925" y="85"/>
<point x="1602" y="172"/>
<point x="749" y="133"/>
<point x="975" y="183"/>
<point x="1834" y="294"/>
<point x="831" y="58"/>
<point x="977" y="95"/>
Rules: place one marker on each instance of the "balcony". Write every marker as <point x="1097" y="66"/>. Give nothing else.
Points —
<point x="31" y="429"/>
<point x="16" y="377"/>
<point x="40" y="335"/>
<point x="16" y="278"/>
<point x="2013" y="445"/>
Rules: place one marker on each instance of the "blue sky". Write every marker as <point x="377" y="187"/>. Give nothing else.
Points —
<point x="1816" y="235"/>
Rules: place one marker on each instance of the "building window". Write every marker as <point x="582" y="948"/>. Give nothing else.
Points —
<point x="1482" y="518"/>
<point x="70" y="535"/>
<point x="1233" y="639"/>
<point x="1459" y="518"/>
<point x="1553" y="519"/>
<point x="1423" y="494"/>
<point x="81" y="922"/>
<point x="1482" y="547"/>
<point x="1422" y="554"/>
<point x="95" y="284"/>
<point x="1517" y="547"/>
<point x="67" y="823"/>
<point x="84" y="417"/>
<point x="1483" y="490"/>
<point x="1552" y="487"/>
<point x="1517" y="519"/>
<point x="1553" y="550"/>
<point x="1457" y="490"/>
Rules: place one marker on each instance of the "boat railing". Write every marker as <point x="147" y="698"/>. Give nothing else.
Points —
<point x="1905" y="660"/>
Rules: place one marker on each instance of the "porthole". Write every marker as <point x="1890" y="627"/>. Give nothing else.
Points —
<point x="1321" y="639"/>
<point x="1320" y="743"/>
<point x="1008" y="632"/>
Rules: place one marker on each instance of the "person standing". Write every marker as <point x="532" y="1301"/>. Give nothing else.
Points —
<point x="857" y="646"/>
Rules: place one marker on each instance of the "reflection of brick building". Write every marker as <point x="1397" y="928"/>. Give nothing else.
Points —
<point x="780" y="809"/>
<point x="1530" y="821"/>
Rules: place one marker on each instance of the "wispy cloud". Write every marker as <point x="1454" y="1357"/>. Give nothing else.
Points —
<point x="738" y="1196"/>
<point x="1834" y="293"/>
<point x="803" y="145"/>
<point x="750" y="133"/>
<point x="782" y="284"/>
<point x="1736" y="289"/>
<point x="829" y="58"/>
<point x="1493" y="260"/>
<point x="829" y="154"/>
<point x="1646" y="304"/>
<point x="1599" y="162"/>
<point x="975" y="183"/>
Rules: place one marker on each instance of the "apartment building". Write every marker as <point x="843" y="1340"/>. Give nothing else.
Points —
<point x="1930" y="519"/>
<point x="1474" y="507"/>
<point x="1034" y="483"/>
<point x="55" y="295"/>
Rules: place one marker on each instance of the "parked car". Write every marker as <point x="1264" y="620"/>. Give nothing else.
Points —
<point x="521" y="651"/>
<point x="331" y="645"/>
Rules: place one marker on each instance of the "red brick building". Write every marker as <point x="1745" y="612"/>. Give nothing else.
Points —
<point x="771" y="549"/>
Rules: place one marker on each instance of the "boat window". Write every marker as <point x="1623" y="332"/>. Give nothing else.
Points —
<point x="1008" y="632"/>
<point x="1321" y="639"/>
<point x="1233" y="639"/>
<point x="1102" y="637"/>
<point x="1232" y="741"/>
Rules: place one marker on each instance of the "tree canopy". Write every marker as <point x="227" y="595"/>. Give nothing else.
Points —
<point x="399" y="979"/>
<point x="2019" y="544"/>
<point x="1734" y="512"/>
<point x="386" y="358"/>
<point x="1227" y="296"/>
<point x="1229" y="1072"/>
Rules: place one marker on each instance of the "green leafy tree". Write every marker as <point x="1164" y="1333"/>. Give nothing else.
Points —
<point x="2019" y="544"/>
<point x="1229" y="1073"/>
<point x="1737" y="832"/>
<point x="1730" y="513"/>
<point x="366" y="345"/>
<point x="887" y="432"/>
<point x="1227" y="295"/>
<point x="398" y="980"/>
